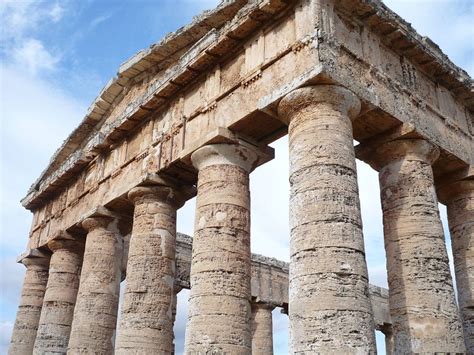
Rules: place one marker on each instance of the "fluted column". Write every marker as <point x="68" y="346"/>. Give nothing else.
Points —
<point x="95" y="314"/>
<point x="29" y="311"/>
<point x="459" y="199"/>
<point x="262" y="329"/>
<point x="421" y="296"/>
<point x="60" y="297"/>
<point x="146" y="322"/>
<point x="219" y="300"/>
<point x="329" y="304"/>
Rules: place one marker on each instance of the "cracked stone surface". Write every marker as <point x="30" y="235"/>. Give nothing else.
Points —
<point x="29" y="310"/>
<point x="460" y="208"/>
<point x="219" y="300"/>
<point x="422" y="301"/>
<point x="329" y="306"/>
<point x="60" y="297"/>
<point x="95" y="314"/>
<point x="146" y="323"/>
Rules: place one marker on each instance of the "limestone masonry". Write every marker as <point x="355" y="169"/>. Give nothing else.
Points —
<point x="193" y="115"/>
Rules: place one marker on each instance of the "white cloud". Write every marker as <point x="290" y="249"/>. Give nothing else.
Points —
<point x="32" y="54"/>
<point x="22" y="16"/>
<point x="56" y="12"/>
<point x="21" y="20"/>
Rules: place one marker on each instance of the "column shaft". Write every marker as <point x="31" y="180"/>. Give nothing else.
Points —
<point x="146" y="322"/>
<point x="29" y="311"/>
<point x="60" y="297"/>
<point x="95" y="314"/>
<point x="329" y="305"/>
<point x="174" y="308"/>
<point x="219" y="301"/>
<point x="262" y="329"/>
<point x="461" y="225"/>
<point x="422" y="303"/>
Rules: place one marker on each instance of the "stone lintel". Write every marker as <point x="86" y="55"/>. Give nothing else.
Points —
<point x="366" y="149"/>
<point x="187" y="191"/>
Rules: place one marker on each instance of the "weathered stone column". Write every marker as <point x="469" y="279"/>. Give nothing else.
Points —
<point x="329" y="304"/>
<point x="174" y="308"/>
<point x="95" y="315"/>
<point x="422" y="302"/>
<point x="388" y="333"/>
<point x="219" y="300"/>
<point x="29" y="311"/>
<point x="60" y="297"/>
<point x="146" y="322"/>
<point x="262" y="329"/>
<point x="459" y="199"/>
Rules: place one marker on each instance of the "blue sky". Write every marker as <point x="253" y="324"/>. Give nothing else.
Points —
<point x="56" y="56"/>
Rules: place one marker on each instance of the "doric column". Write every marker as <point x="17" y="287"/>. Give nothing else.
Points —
<point x="387" y="332"/>
<point x="174" y="308"/>
<point x="329" y="304"/>
<point x="146" y="322"/>
<point x="422" y="303"/>
<point x="459" y="199"/>
<point x="60" y="297"/>
<point x="262" y="329"/>
<point x="29" y="311"/>
<point x="95" y="314"/>
<point x="219" y="300"/>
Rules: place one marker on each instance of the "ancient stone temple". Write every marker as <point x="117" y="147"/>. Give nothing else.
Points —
<point x="193" y="115"/>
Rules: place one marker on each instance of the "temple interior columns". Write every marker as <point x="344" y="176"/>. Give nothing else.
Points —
<point x="262" y="329"/>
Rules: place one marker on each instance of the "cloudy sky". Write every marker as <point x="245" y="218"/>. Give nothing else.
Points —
<point x="55" y="56"/>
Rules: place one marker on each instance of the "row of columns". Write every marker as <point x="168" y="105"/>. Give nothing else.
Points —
<point x="329" y="305"/>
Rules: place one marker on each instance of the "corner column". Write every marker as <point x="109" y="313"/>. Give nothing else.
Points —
<point x="262" y="329"/>
<point x="329" y="305"/>
<point x="146" y="322"/>
<point x="29" y="311"/>
<point x="459" y="199"/>
<point x="423" y="309"/>
<point x="60" y="297"/>
<point x="95" y="314"/>
<point x="219" y="300"/>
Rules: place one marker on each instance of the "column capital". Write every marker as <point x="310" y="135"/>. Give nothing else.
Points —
<point x="35" y="259"/>
<point x="67" y="244"/>
<point x="337" y="97"/>
<point x="94" y="222"/>
<point x="402" y="149"/>
<point x="455" y="184"/>
<point x="244" y="156"/>
<point x="167" y="193"/>
<point x="458" y="188"/>
<point x="262" y="305"/>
